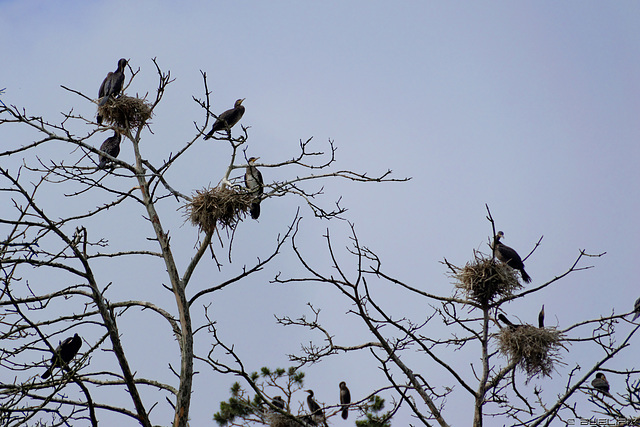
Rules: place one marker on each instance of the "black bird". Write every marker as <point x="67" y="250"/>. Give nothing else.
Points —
<point x="507" y="322"/>
<point x="600" y="383"/>
<point x="64" y="353"/>
<point x="228" y="119"/>
<point x="636" y="310"/>
<point x="111" y="146"/>
<point x="254" y="183"/>
<point x="509" y="256"/>
<point x="541" y="318"/>
<point x="345" y="399"/>
<point x="278" y="402"/>
<point x="111" y="85"/>
<point x="316" y="411"/>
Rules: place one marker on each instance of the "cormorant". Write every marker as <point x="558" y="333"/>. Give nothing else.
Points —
<point x="64" y="353"/>
<point x="111" y="146"/>
<point x="636" y="310"/>
<point x="509" y="256"/>
<point x="111" y="85"/>
<point x="227" y="119"/>
<point x="541" y="318"/>
<point x="254" y="183"/>
<point x="345" y="399"/>
<point x="278" y="402"/>
<point x="600" y="383"/>
<point x="507" y="322"/>
<point x="316" y="411"/>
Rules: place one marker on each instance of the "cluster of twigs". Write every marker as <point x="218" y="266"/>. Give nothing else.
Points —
<point x="224" y="206"/>
<point x="484" y="279"/>
<point x="126" y="111"/>
<point x="278" y="420"/>
<point x="535" y="349"/>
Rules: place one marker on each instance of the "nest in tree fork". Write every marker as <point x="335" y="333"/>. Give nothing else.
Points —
<point x="222" y="206"/>
<point x="125" y="111"/>
<point x="536" y="350"/>
<point x="484" y="279"/>
<point x="278" y="420"/>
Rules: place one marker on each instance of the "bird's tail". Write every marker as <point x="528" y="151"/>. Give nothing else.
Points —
<point x="103" y="101"/>
<point x="345" y="413"/>
<point x="103" y="163"/>
<point x="635" y="316"/>
<point x="47" y="373"/>
<point x="209" y="135"/>
<point x="525" y="276"/>
<point x="99" y="119"/>
<point x="254" y="209"/>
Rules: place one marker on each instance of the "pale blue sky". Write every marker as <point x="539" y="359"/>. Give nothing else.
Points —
<point x="530" y="107"/>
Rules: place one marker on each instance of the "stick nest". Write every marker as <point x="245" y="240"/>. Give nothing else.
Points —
<point x="125" y="111"/>
<point x="222" y="206"/>
<point x="537" y="350"/>
<point x="278" y="420"/>
<point x="484" y="279"/>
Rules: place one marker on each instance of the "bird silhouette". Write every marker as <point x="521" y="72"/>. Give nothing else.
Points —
<point x="111" y="146"/>
<point x="111" y="85"/>
<point x="255" y="184"/>
<point x="601" y="384"/>
<point x="63" y="354"/>
<point x="509" y="256"/>
<point x="345" y="399"/>
<point x="227" y="119"/>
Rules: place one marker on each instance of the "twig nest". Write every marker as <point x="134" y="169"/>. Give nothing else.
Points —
<point x="537" y="350"/>
<point x="222" y="206"/>
<point x="484" y="279"/>
<point x="276" y="419"/>
<point x="125" y="110"/>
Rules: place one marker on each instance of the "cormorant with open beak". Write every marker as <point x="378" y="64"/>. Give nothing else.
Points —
<point x="228" y="119"/>
<point x="509" y="256"/>
<point x="345" y="399"/>
<point x="254" y="183"/>
<point x="63" y="354"/>
<point x="111" y="146"/>
<point x="111" y="85"/>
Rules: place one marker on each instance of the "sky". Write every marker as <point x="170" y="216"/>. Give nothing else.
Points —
<point x="528" y="107"/>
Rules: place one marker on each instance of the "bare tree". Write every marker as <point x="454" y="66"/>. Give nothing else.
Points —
<point x="498" y="357"/>
<point x="64" y="241"/>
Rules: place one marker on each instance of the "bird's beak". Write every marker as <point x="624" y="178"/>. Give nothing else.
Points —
<point x="256" y="159"/>
<point x="242" y="100"/>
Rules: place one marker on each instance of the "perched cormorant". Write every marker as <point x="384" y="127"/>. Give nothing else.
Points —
<point x="541" y="318"/>
<point x="64" y="353"/>
<point x="509" y="256"/>
<point x="600" y="383"/>
<point x="111" y="85"/>
<point x="316" y="412"/>
<point x="507" y="322"/>
<point x="278" y="402"/>
<point x="227" y="119"/>
<point x="636" y="310"/>
<point x="254" y="183"/>
<point x="111" y="146"/>
<point x="345" y="399"/>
